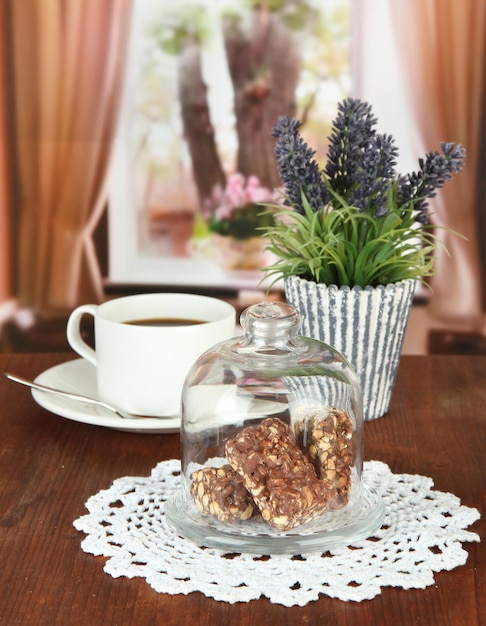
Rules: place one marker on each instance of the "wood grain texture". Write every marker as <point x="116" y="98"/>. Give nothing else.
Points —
<point x="49" y="466"/>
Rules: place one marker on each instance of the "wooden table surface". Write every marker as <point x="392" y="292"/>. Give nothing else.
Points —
<point x="49" y="466"/>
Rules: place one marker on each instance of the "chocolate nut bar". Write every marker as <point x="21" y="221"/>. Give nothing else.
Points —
<point x="327" y="443"/>
<point x="275" y="471"/>
<point x="219" y="491"/>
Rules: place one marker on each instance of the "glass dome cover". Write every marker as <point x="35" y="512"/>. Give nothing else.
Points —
<point x="272" y="443"/>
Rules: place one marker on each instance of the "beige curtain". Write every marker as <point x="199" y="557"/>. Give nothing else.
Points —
<point x="68" y="65"/>
<point x="442" y="48"/>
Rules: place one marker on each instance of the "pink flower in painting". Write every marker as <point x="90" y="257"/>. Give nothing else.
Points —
<point x="223" y="212"/>
<point x="238" y="209"/>
<point x="235" y="190"/>
<point x="237" y="193"/>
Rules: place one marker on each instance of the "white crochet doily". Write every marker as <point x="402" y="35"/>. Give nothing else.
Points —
<point x="421" y="534"/>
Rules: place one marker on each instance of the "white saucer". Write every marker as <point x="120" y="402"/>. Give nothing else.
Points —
<point x="79" y="376"/>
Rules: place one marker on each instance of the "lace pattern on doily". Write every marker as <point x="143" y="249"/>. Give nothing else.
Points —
<point x="421" y="534"/>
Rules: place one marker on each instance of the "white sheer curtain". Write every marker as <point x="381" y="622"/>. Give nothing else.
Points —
<point x="422" y="61"/>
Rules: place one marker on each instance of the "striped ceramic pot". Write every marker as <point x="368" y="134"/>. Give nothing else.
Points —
<point x="367" y="326"/>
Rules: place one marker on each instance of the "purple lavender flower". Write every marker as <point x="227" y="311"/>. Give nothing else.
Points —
<point x="373" y="177"/>
<point x="350" y="137"/>
<point x="361" y="162"/>
<point x="415" y="188"/>
<point x="297" y="168"/>
<point x="360" y="166"/>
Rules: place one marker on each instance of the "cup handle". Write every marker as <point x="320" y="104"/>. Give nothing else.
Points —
<point x="73" y="332"/>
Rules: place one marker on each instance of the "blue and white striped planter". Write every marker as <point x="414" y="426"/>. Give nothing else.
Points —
<point x="367" y="326"/>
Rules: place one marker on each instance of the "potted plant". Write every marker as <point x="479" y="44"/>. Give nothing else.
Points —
<point x="228" y="229"/>
<point x="354" y="239"/>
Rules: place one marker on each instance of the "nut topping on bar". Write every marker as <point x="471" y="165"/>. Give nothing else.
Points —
<point x="281" y="480"/>
<point x="220" y="492"/>
<point x="327" y="443"/>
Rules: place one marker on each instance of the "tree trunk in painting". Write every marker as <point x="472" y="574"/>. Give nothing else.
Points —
<point x="198" y="130"/>
<point x="264" y="65"/>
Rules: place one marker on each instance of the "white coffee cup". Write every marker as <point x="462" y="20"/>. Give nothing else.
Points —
<point x="141" y="368"/>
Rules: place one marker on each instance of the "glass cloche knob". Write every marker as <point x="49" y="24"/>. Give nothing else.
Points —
<point x="272" y="443"/>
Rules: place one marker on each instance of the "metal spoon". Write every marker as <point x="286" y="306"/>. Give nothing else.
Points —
<point x="72" y="396"/>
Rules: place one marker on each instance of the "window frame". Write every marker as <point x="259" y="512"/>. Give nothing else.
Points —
<point x="374" y="77"/>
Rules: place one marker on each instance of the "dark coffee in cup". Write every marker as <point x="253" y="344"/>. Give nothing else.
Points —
<point x="165" y="322"/>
